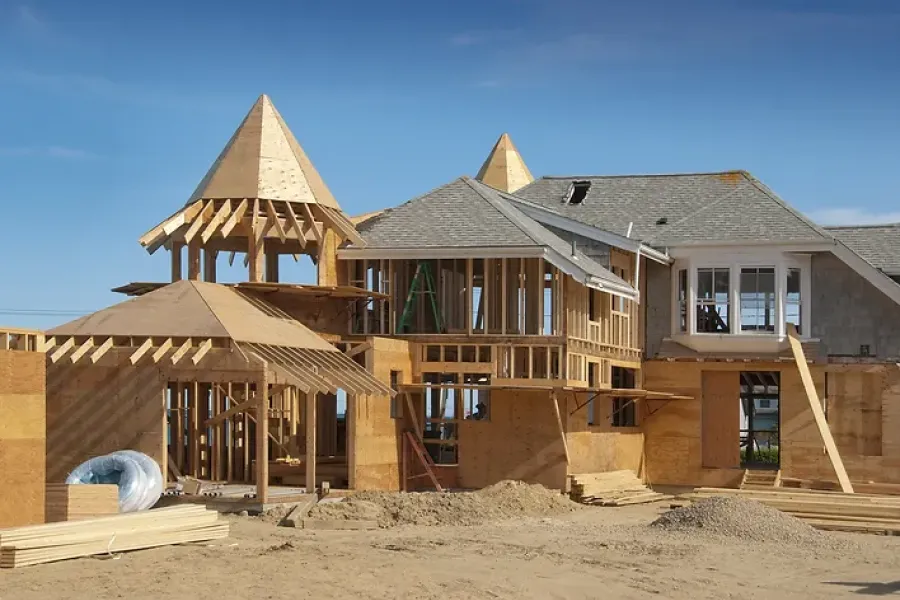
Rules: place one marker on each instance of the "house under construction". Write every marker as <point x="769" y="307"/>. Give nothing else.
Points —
<point x="494" y="328"/>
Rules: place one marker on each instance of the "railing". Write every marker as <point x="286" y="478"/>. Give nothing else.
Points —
<point x="25" y="340"/>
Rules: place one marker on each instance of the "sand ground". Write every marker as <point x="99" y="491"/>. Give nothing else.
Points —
<point x="591" y="553"/>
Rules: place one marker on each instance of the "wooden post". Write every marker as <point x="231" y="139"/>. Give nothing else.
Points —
<point x="209" y="265"/>
<point x="818" y="413"/>
<point x="164" y="459"/>
<point x="176" y="260"/>
<point x="193" y="393"/>
<point x="311" y="402"/>
<point x="271" y="266"/>
<point x="194" y="260"/>
<point x="262" y="437"/>
<point x="178" y="428"/>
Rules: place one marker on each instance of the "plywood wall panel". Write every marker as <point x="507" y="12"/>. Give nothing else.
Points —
<point x="720" y="419"/>
<point x="22" y="437"/>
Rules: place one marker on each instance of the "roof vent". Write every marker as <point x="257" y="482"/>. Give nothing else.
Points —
<point x="577" y="192"/>
<point x="574" y="249"/>
<point x="662" y="221"/>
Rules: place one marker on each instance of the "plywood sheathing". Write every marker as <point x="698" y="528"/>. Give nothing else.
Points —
<point x="600" y="447"/>
<point x="504" y="168"/>
<point x="520" y="440"/>
<point x="22" y="437"/>
<point x="373" y="434"/>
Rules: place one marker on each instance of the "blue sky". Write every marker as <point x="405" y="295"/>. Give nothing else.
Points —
<point x="111" y="112"/>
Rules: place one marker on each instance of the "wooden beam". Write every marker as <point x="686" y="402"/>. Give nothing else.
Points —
<point x="414" y="417"/>
<point x="358" y="349"/>
<point x="161" y="351"/>
<point x="295" y="224"/>
<point x="102" y="349"/>
<point x="201" y="351"/>
<point x="235" y="218"/>
<point x="262" y="436"/>
<point x="82" y="349"/>
<point x="141" y="351"/>
<point x="562" y="432"/>
<point x="255" y="252"/>
<point x="311" y="221"/>
<point x="818" y="413"/>
<point x="310" y="416"/>
<point x="205" y="214"/>
<point x="216" y="221"/>
<point x="61" y="351"/>
<point x="273" y="216"/>
<point x="177" y="253"/>
<point x="181" y="351"/>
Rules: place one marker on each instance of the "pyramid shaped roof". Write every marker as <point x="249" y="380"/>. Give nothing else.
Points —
<point x="504" y="168"/>
<point x="264" y="160"/>
<point x="195" y="309"/>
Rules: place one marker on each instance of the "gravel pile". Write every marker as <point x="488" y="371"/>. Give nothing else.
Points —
<point x="501" y="501"/>
<point x="740" y="518"/>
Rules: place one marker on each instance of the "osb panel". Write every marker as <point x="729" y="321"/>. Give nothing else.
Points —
<point x="22" y="372"/>
<point x="21" y="482"/>
<point x="375" y="447"/>
<point x="23" y="417"/>
<point x="325" y="316"/>
<point x="600" y="447"/>
<point x="720" y="418"/>
<point x="520" y="441"/>
<point x="95" y="410"/>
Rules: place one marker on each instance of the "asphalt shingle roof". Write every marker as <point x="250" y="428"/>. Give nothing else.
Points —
<point x="699" y="207"/>
<point x="466" y="213"/>
<point x="878" y="244"/>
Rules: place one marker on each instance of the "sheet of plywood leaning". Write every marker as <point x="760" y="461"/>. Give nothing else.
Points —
<point x="22" y="428"/>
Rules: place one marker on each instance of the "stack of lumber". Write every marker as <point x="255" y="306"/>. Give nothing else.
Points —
<point x="78" y="502"/>
<point x="755" y="479"/>
<point x="833" y="511"/>
<point x="615" y="488"/>
<point x="32" y="545"/>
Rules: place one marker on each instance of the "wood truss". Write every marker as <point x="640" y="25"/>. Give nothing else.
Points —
<point x="227" y="224"/>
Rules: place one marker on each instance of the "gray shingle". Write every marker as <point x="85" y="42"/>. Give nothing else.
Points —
<point x="466" y="213"/>
<point x="702" y="207"/>
<point x="878" y="244"/>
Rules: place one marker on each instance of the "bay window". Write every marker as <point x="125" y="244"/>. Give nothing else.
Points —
<point x="742" y="294"/>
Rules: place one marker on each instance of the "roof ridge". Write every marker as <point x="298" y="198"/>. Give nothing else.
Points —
<point x="863" y="226"/>
<point x="624" y="175"/>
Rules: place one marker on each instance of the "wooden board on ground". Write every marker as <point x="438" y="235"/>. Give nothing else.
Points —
<point x="615" y="488"/>
<point x="78" y="502"/>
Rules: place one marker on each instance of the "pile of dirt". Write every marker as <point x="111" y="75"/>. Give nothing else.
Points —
<point x="739" y="518"/>
<point x="348" y="509"/>
<point x="501" y="501"/>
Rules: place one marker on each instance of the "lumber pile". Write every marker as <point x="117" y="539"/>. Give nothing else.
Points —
<point x="615" y="488"/>
<point x="32" y="545"/>
<point x="755" y="479"/>
<point x="77" y="502"/>
<point x="833" y="511"/>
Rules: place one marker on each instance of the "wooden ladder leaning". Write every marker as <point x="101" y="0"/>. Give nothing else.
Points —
<point x="410" y="440"/>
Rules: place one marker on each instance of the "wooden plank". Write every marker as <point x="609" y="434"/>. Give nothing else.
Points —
<point x="262" y="437"/>
<point x="310" y="417"/>
<point x="559" y="423"/>
<point x="816" y="407"/>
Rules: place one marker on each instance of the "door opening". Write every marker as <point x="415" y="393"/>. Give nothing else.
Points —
<point x="760" y="395"/>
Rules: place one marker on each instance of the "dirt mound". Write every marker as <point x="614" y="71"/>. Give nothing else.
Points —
<point x="347" y="509"/>
<point x="739" y="518"/>
<point x="502" y="501"/>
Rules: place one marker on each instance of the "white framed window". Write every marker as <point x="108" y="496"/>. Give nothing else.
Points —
<point x="758" y="306"/>
<point x="713" y="300"/>
<point x="682" y="300"/>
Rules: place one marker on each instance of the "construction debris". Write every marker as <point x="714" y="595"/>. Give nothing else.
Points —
<point x="833" y="511"/>
<point x="615" y="488"/>
<point x="23" y="546"/>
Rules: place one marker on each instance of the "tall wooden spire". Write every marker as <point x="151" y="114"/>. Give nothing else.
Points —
<point x="504" y="168"/>
<point x="263" y="197"/>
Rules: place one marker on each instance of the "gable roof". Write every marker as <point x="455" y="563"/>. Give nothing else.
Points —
<point x="504" y="168"/>
<point x="679" y="209"/>
<point x="195" y="309"/>
<point x="264" y="160"/>
<point x="467" y="214"/>
<point x="877" y="244"/>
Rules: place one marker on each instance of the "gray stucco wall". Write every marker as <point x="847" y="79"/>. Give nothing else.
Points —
<point x="658" y="306"/>
<point x="594" y="249"/>
<point x="848" y="311"/>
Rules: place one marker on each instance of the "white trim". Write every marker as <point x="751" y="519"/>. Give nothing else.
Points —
<point x="570" y="267"/>
<point x="547" y="217"/>
<point x="468" y="252"/>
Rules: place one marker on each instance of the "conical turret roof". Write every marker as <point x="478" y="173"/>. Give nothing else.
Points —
<point x="504" y="168"/>
<point x="264" y="160"/>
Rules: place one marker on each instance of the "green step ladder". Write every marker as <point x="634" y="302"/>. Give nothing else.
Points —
<point x="423" y="275"/>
